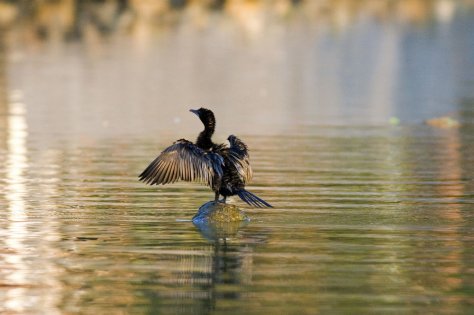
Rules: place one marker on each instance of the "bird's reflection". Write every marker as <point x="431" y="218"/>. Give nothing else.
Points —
<point x="232" y="259"/>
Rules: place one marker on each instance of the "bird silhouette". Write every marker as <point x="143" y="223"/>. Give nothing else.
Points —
<point x="225" y="169"/>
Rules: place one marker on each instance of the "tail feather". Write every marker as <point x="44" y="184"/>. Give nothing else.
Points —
<point x="253" y="200"/>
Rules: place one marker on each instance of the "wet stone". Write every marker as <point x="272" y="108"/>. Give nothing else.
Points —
<point x="214" y="212"/>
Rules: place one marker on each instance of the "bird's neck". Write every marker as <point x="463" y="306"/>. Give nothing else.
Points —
<point x="204" y="140"/>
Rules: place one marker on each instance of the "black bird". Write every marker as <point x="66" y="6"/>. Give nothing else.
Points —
<point x="225" y="169"/>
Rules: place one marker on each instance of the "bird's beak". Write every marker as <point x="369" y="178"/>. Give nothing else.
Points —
<point x="194" y="111"/>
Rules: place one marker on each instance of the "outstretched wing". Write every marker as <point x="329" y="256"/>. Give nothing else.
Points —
<point x="183" y="161"/>
<point x="239" y="157"/>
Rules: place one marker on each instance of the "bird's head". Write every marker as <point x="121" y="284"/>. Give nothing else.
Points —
<point x="206" y="116"/>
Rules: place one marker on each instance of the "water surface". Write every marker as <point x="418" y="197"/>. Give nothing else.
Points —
<point x="368" y="217"/>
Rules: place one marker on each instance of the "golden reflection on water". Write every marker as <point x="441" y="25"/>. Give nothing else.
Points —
<point x="16" y="165"/>
<point x="449" y="147"/>
<point x="14" y="281"/>
<point x="25" y="264"/>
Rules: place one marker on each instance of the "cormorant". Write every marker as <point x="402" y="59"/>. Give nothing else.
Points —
<point x="225" y="169"/>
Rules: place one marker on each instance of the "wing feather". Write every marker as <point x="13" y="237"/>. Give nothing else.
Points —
<point x="239" y="157"/>
<point x="183" y="161"/>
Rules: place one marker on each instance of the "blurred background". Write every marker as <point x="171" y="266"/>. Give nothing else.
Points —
<point x="108" y="67"/>
<point x="359" y="115"/>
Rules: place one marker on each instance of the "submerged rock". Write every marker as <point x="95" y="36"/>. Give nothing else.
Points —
<point x="215" y="231"/>
<point x="217" y="212"/>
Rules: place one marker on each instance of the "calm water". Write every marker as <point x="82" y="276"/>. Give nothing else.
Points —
<point x="369" y="217"/>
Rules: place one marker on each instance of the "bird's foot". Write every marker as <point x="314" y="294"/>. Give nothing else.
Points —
<point x="220" y="200"/>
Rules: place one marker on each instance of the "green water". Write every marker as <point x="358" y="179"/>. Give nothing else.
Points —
<point x="379" y="221"/>
<point x="369" y="217"/>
